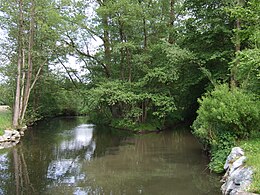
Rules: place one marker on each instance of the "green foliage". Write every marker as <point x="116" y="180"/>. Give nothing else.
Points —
<point x="252" y="150"/>
<point x="248" y="14"/>
<point x="128" y="124"/>
<point x="229" y="110"/>
<point x="223" y="115"/>
<point x="54" y="96"/>
<point x="248" y="74"/>
<point x="220" y="149"/>
<point x="207" y="33"/>
<point x="128" y="103"/>
<point x="6" y="94"/>
<point x="5" y="120"/>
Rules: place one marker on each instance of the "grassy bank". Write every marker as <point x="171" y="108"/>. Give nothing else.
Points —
<point x="5" y="120"/>
<point x="252" y="152"/>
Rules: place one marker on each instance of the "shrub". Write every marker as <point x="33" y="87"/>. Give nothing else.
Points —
<point x="220" y="150"/>
<point x="224" y="115"/>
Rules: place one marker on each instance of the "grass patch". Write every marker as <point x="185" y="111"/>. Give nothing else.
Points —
<point x="252" y="152"/>
<point x="5" y="120"/>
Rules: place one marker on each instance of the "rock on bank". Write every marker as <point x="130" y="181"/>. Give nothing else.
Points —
<point x="11" y="137"/>
<point x="238" y="177"/>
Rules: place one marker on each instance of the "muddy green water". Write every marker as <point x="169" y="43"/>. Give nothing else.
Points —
<point x="69" y="156"/>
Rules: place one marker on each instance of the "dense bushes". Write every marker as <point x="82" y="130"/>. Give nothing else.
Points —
<point x="127" y="105"/>
<point x="224" y="115"/>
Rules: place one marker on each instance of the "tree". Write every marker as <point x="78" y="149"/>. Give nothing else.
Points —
<point x="36" y="34"/>
<point x="145" y="66"/>
<point x="208" y="33"/>
<point x="231" y="111"/>
<point x="245" y="66"/>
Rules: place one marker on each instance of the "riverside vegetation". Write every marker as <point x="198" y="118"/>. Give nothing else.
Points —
<point x="252" y="149"/>
<point x="5" y="120"/>
<point x="142" y="65"/>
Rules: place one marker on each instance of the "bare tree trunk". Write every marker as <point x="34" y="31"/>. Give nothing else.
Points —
<point x="16" y="112"/>
<point x="22" y="84"/>
<point x="106" y="40"/>
<point x="145" y="33"/>
<point x="30" y="63"/>
<point x="107" y="46"/>
<point x="122" y="52"/>
<point x="17" y="96"/>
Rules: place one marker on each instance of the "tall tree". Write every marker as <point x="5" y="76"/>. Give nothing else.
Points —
<point x="36" y="33"/>
<point x="16" y="112"/>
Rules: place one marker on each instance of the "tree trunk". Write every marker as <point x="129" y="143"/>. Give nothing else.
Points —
<point x="122" y="52"/>
<point x="17" y="96"/>
<point x="233" y="80"/>
<point x="144" y="27"/>
<point x="22" y="84"/>
<point x="129" y="63"/>
<point x="171" y="38"/>
<point x="16" y="111"/>
<point x="106" y="46"/>
<point x="30" y="63"/>
<point x="145" y="33"/>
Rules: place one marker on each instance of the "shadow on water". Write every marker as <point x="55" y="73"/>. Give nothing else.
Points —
<point x="69" y="156"/>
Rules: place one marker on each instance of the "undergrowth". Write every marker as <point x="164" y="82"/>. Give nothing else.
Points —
<point x="252" y="152"/>
<point x="5" y="120"/>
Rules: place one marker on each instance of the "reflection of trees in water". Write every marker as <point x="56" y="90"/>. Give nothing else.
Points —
<point x="23" y="184"/>
<point x="66" y="168"/>
<point x="151" y="163"/>
<point x="4" y="176"/>
<point x="108" y="139"/>
<point x="95" y="161"/>
<point x="14" y="173"/>
<point x="205" y="182"/>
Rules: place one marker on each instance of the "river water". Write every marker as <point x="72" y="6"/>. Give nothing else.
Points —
<point x="69" y="156"/>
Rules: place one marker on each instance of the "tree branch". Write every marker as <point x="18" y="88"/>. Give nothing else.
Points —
<point x="82" y="53"/>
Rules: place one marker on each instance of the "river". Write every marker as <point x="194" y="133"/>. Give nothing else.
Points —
<point x="70" y="156"/>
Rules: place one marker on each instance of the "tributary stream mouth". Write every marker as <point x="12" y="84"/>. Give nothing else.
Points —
<point x="68" y="156"/>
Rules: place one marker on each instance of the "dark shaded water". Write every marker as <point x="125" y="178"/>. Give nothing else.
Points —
<point x="68" y="156"/>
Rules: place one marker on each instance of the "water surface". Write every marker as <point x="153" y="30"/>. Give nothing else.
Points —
<point x="69" y="156"/>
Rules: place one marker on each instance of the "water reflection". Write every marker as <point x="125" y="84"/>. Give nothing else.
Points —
<point x="168" y="163"/>
<point x="82" y="137"/>
<point x="68" y="156"/>
<point x="4" y="176"/>
<point x="66" y="168"/>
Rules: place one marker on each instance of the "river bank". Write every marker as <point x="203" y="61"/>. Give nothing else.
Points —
<point x="8" y="137"/>
<point x="5" y="119"/>
<point x="240" y="176"/>
<point x="252" y="151"/>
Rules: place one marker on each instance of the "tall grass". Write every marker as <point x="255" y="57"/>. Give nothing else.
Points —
<point x="5" y="120"/>
<point x="252" y="152"/>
